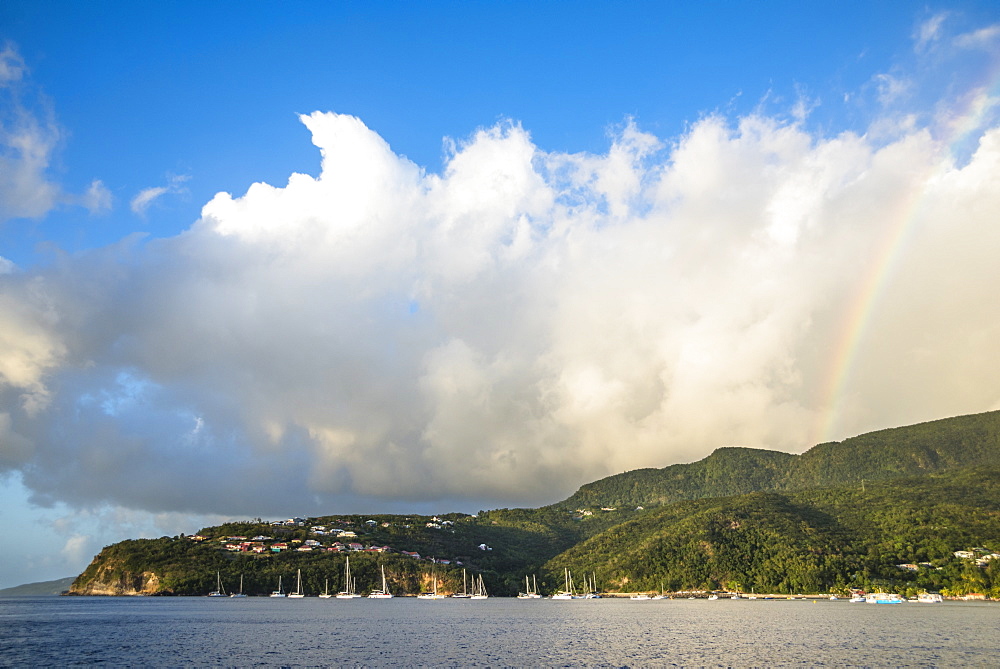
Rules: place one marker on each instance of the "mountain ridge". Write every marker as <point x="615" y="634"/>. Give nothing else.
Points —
<point x="907" y="450"/>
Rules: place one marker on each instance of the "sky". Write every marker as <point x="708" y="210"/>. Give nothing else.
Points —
<point x="275" y="259"/>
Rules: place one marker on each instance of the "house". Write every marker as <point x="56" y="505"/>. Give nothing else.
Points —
<point x="411" y="554"/>
<point x="908" y="567"/>
<point x="484" y="547"/>
<point x="433" y="526"/>
<point x="356" y="547"/>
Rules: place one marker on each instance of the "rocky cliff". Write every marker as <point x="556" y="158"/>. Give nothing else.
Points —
<point x="110" y="577"/>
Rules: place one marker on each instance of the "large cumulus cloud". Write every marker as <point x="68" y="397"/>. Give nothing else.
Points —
<point x="379" y="336"/>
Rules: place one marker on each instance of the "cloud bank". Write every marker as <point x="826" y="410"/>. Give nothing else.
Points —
<point x="380" y="337"/>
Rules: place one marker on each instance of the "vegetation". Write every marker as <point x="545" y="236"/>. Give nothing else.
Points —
<point x="840" y="516"/>
<point x="906" y="451"/>
<point x="820" y="540"/>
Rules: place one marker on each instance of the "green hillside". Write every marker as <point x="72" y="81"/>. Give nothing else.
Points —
<point x="841" y="515"/>
<point x="809" y="541"/>
<point x="905" y="451"/>
<point x="41" y="588"/>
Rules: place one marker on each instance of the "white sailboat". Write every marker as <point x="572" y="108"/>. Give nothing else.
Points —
<point x="465" y="589"/>
<point x="479" y="589"/>
<point x="529" y="592"/>
<point x="567" y="591"/>
<point x="240" y="593"/>
<point x="384" y="592"/>
<point x="640" y="596"/>
<point x="592" y="592"/>
<point x="326" y="590"/>
<point x="349" y="591"/>
<point x="431" y="595"/>
<point x="218" y="592"/>
<point x="298" y="594"/>
<point x="279" y="592"/>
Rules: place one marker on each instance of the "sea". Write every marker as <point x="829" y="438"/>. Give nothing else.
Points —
<point x="496" y="632"/>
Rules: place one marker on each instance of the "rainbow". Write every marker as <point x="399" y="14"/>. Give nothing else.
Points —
<point x="969" y="124"/>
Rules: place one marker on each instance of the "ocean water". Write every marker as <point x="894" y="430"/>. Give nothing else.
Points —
<point x="198" y="631"/>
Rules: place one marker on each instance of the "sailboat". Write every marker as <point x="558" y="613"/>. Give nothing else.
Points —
<point x="349" y="591"/>
<point x="431" y="595"/>
<point x="567" y="591"/>
<point x="479" y="589"/>
<point x="384" y="592"/>
<point x="240" y="593"/>
<point x="326" y="589"/>
<point x="298" y="594"/>
<point x="218" y="592"/>
<point x="529" y="592"/>
<point x="592" y="592"/>
<point x="465" y="589"/>
<point x="640" y="595"/>
<point x="279" y="592"/>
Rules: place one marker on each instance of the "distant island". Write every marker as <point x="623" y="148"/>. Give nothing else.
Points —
<point x="57" y="587"/>
<point x="908" y="510"/>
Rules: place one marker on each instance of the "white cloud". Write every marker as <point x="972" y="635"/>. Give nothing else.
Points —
<point x="98" y="198"/>
<point x="382" y="337"/>
<point x="987" y="38"/>
<point x="146" y="197"/>
<point x="30" y="345"/>
<point x="929" y="32"/>
<point x="77" y="549"/>
<point x="891" y="89"/>
<point x="11" y="65"/>
<point x="29" y="139"/>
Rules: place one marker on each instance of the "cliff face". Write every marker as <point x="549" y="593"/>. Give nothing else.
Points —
<point x="109" y="578"/>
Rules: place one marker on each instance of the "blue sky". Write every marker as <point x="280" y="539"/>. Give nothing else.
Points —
<point x="537" y="243"/>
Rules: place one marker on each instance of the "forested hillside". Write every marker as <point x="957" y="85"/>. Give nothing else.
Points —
<point x="904" y="451"/>
<point x="815" y="540"/>
<point x="840" y="515"/>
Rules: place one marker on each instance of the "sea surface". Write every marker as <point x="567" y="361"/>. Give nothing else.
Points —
<point x="498" y="632"/>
